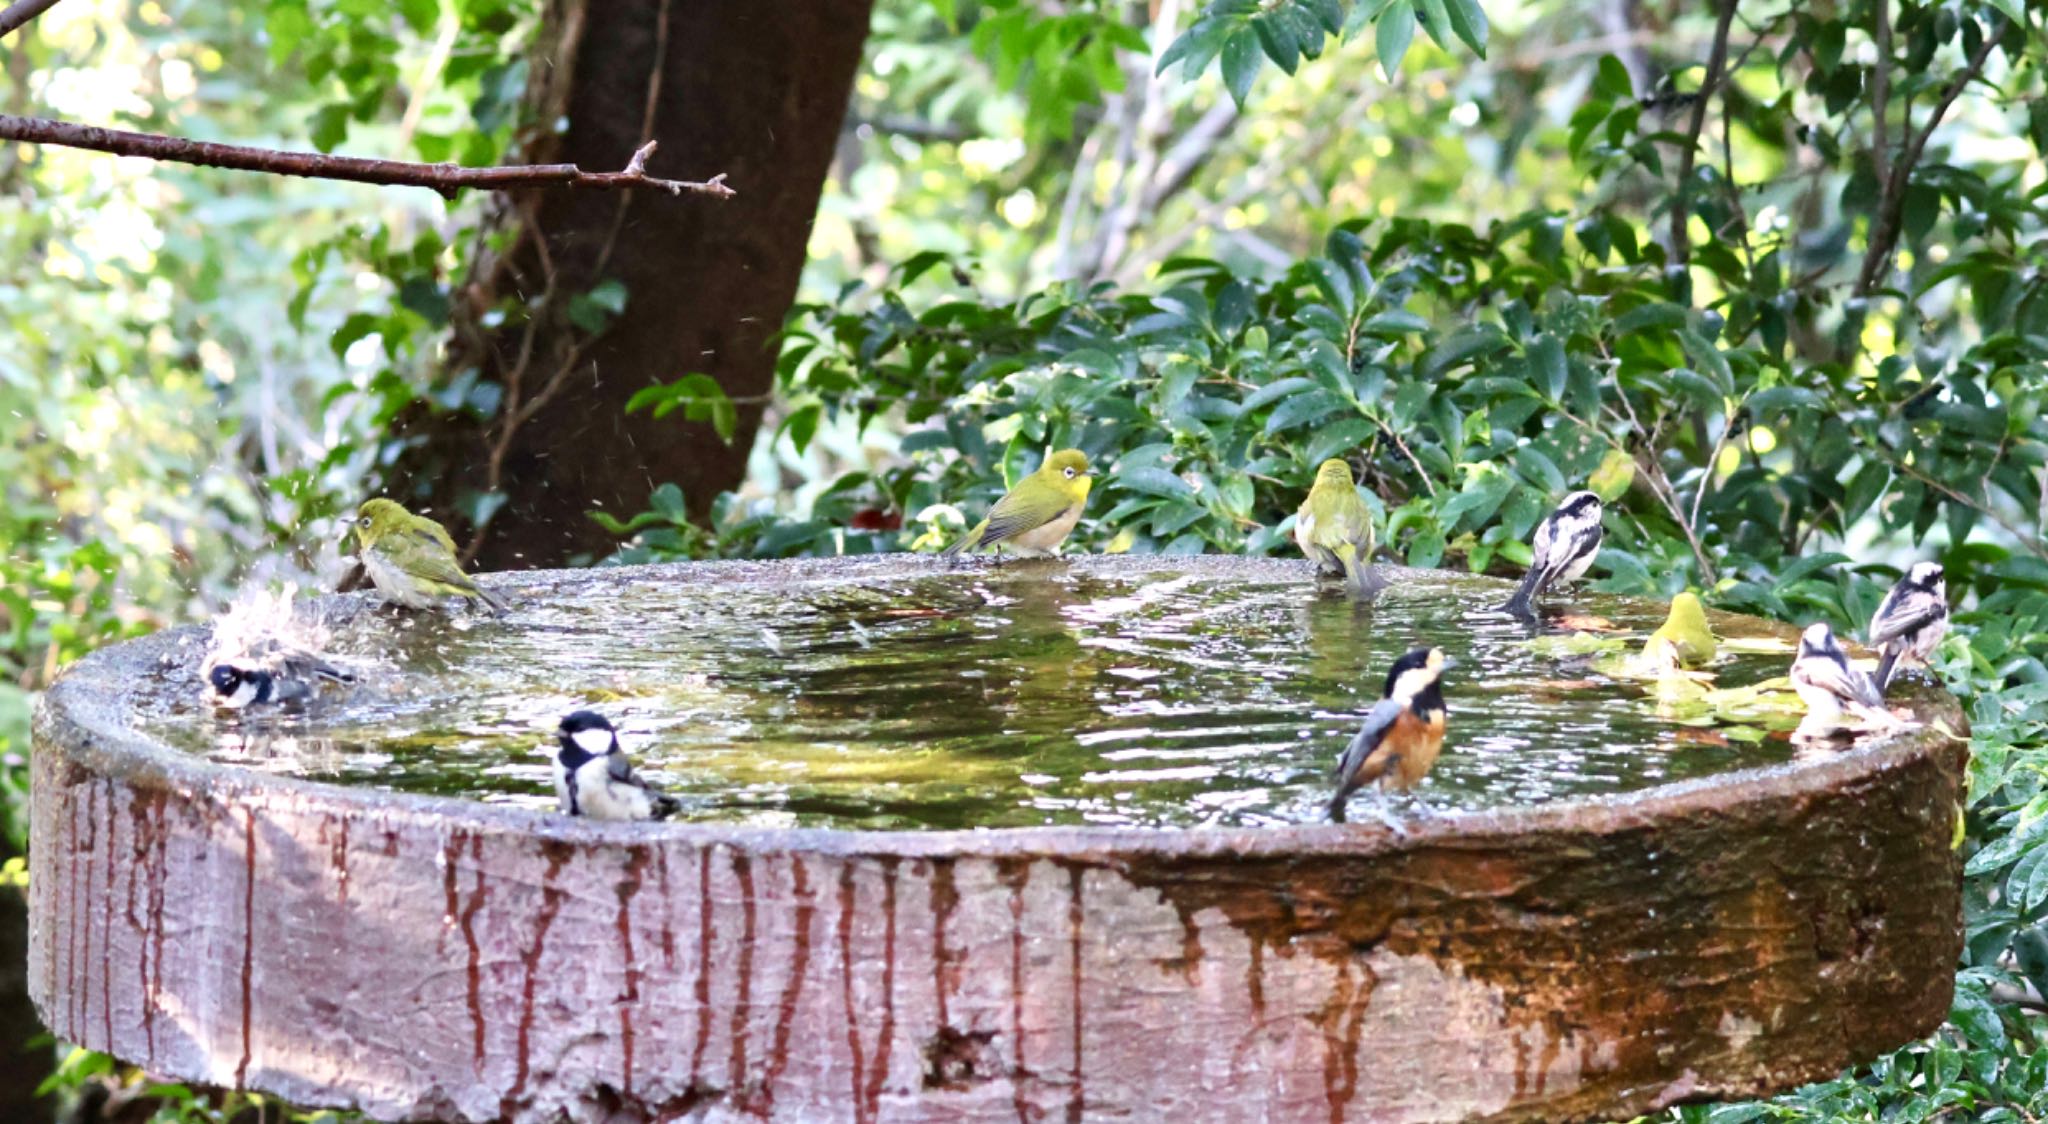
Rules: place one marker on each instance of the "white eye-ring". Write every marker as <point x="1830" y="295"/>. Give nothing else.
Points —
<point x="1070" y="474"/>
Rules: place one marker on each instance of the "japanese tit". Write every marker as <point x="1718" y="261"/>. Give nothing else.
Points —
<point x="271" y="672"/>
<point x="1402" y="732"/>
<point x="1839" y="697"/>
<point x="593" y="777"/>
<point x="1911" y="621"/>
<point x="1566" y="543"/>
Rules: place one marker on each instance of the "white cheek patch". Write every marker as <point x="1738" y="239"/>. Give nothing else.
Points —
<point x="243" y="694"/>
<point x="596" y="742"/>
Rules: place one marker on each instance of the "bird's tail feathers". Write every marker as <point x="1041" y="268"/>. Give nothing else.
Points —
<point x="1887" y="663"/>
<point x="663" y="805"/>
<point x="1359" y="575"/>
<point x="1523" y="603"/>
<point x="496" y="602"/>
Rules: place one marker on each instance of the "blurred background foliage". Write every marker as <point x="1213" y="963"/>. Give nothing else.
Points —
<point x="1768" y="276"/>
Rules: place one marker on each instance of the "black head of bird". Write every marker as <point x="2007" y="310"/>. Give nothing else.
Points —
<point x="585" y="734"/>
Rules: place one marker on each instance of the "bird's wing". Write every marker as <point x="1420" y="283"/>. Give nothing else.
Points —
<point x="1904" y="616"/>
<point x="1837" y="678"/>
<point x="1563" y="551"/>
<point x="1010" y="518"/>
<point x="1378" y="721"/>
<point x="431" y="533"/>
<point x="305" y="665"/>
<point x="429" y="564"/>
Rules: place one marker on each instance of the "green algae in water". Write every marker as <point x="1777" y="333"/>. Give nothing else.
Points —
<point x="1026" y="695"/>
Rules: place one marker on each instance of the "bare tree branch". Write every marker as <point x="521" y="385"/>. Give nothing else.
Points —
<point x="1880" y="90"/>
<point x="1884" y="233"/>
<point x="1681" y="203"/>
<point x="444" y="178"/>
<point x="21" y="12"/>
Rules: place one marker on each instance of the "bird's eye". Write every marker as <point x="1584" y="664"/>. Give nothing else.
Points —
<point x="1070" y="474"/>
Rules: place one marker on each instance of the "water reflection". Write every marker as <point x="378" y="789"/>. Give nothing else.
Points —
<point x="995" y="697"/>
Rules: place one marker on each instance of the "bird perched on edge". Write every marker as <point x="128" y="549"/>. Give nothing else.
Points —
<point x="1566" y="543"/>
<point x="1402" y="732"/>
<point x="1035" y="517"/>
<point x="411" y="560"/>
<point x="593" y="777"/>
<point x="271" y="672"/>
<point x="1839" y="697"/>
<point x="1334" y="527"/>
<point x="1910" y="621"/>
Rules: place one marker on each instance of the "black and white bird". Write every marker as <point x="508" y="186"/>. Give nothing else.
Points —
<point x="271" y="672"/>
<point x="1566" y="543"/>
<point x="1402" y="733"/>
<point x="593" y="777"/>
<point x="1911" y="621"/>
<point x="1839" y="697"/>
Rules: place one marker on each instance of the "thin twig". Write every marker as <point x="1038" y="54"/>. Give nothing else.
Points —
<point x="2028" y="542"/>
<point x="1880" y="90"/>
<point x="1681" y="205"/>
<point x="1713" y="465"/>
<point x="22" y="12"/>
<point x="1884" y="236"/>
<point x="444" y="178"/>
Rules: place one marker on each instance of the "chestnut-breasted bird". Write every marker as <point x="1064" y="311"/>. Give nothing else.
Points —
<point x="1838" y="695"/>
<point x="411" y="560"/>
<point x="1402" y="732"/>
<point x="1566" y="543"/>
<point x="1334" y="527"/>
<point x="593" y="777"/>
<point x="1035" y="516"/>
<point x="270" y="672"/>
<point x="1911" y="621"/>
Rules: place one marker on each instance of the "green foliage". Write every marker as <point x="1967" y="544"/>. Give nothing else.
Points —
<point x="1246" y="34"/>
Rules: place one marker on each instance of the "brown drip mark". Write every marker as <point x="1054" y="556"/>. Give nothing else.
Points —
<point x="248" y="939"/>
<point x="107" y="929"/>
<point x="945" y="896"/>
<point x="475" y="967"/>
<point x="138" y="858"/>
<point x="557" y="854"/>
<point x="800" y="963"/>
<point x="880" y="1070"/>
<point x="1077" y="1102"/>
<point x="1255" y="983"/>
<point x="71" y="912"/>
<point x="861" y="1113"/>
<point x="340" y="860"/>
<point x="153" y="992"/>
<point x="629" y="885"/>
<point x="1342" y="1020"/>
<point x="1017" y="875"/>
<point x="668" y="935"/>
<point x="703" y="989"/>
<point x="736" y="1072"/>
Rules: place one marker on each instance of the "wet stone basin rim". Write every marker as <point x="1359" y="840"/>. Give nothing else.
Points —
<point x="422" y="957"/>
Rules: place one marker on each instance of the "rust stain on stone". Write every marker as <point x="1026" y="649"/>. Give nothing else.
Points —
<point x="474" y="967"/>
<point x="880" y="1070"/>
<point x="736" y="1070"/>
<point x="107" y="929"/>
<point x="668" y="936"/>
<point x="153" y="987"/>
<point x="1077" y="1102"/>
<point x="800" y="963"/>
<point x="248" y="939"/>
<point x="861" y="1113"/>
<point x="1017" y="874"/>
<point x="339" y="858"/>
<point x="557" y="854"/>
<point x="1255" y="983"/>
<point x="1341" y="1020"/>
<point x="703" y="988"/>
<point x="945" y="896"/>
<point x="629" y="885"/>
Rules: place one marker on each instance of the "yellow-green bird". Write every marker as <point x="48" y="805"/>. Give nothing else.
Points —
<point x="1035" y="516"/>
<point x="1334" y="527"/>
<point x="410" y="558"/>
<point x="1684" y="639"/>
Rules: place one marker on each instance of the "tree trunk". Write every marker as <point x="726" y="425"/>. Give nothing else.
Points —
<point x="756" y="92"/>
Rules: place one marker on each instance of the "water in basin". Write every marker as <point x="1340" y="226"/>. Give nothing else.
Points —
<point x="1027" y="695"/>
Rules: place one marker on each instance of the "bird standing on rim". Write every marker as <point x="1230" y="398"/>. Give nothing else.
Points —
<point x="1911" y="621"/>
<point x="411" y="560"/>
<point x="1334" y="527"/>
<point x="1566" y="543"/>
<point x="593" y="777"/>
<point x="1035" y="517"/>
<point x="1402" y="733"/>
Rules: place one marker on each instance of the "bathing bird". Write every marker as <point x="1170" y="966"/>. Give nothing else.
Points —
<point x="1334" y="527"/>
<point x="411" y="560"/>
<point x="271" y="672"/>
<point x="1035" y="517"/>
<point x="593" y="777"/>
<point x="1402" y="732"/>
<point x="1684" y="639"/>
<point x="1839" y="697"/>
<point x="1910" y="621"/>
<point x="1566" y="543"/>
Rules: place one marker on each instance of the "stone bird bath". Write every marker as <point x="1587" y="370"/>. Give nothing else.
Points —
<point x="430" y="957"/>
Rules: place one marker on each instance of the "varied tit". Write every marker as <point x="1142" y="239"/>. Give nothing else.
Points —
<point x="1334" y="527"/>
<point x="1911" y="620"/>
<point x="593" y="777"/>
<point x="1684" y="639"/>
<point x="1035" y="516"/>
<point x="1566" y="543"/>
<point x="1837" y="695"/>
<point x="1402" y="732"/>
<point x="270" y="673"/>
<point x="411" y="560"/>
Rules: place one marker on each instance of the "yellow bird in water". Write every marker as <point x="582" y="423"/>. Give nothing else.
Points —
<point x="411" y="560"/>
<point x="1036" y="516"/>
<point x="1684" y="639"/>
<point x="1334" y="527"/>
